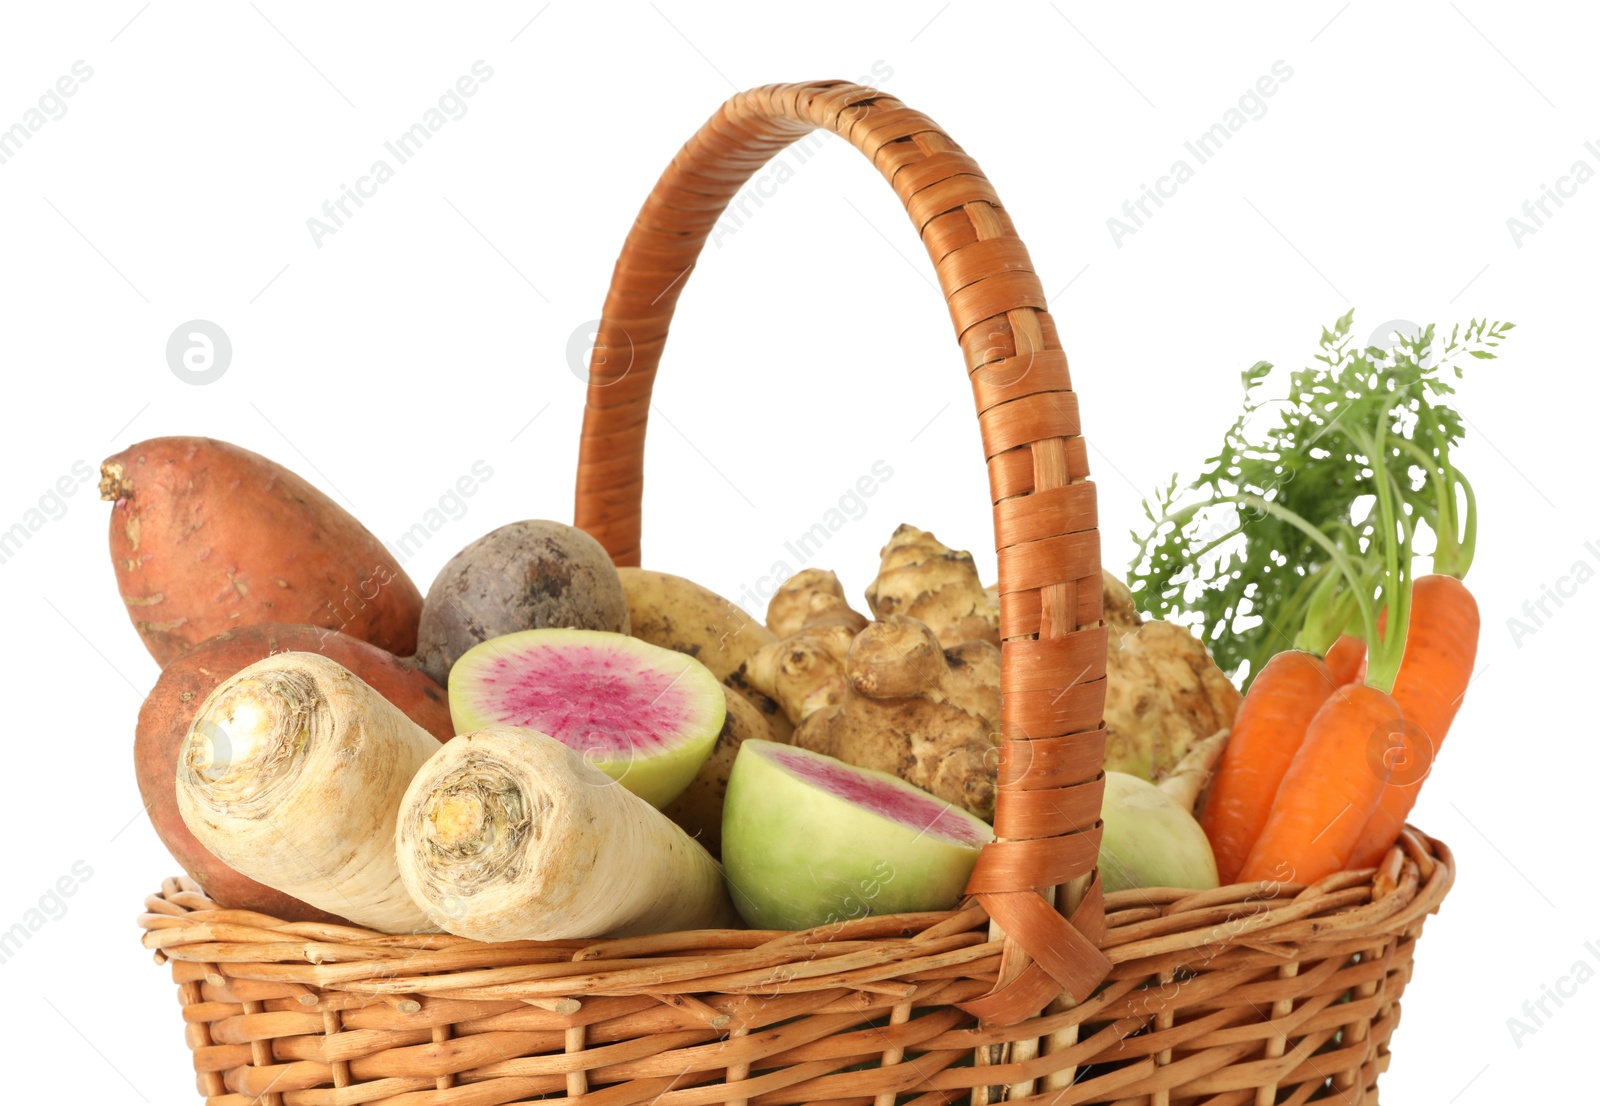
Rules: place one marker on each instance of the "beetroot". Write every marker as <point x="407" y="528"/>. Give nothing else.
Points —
<point x="526" y="575"/>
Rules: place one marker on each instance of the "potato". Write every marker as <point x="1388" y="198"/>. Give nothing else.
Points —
<point x="207" y="537"/>
<point x="530" y="575"/>
<point x="680" y="615"/>
<point x="698" y="808"/>
<point x="169" y="710"/>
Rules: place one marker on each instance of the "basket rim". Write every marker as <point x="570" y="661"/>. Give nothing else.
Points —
<point x="1143" y="926"/>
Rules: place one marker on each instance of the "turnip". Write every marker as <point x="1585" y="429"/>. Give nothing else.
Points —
<point x="1150" y="839"/>
<point x="507" y="835"/>
<point x="292" y="774"/>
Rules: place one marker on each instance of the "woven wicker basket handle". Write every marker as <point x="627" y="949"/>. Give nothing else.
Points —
<point x="1053" y="656"/>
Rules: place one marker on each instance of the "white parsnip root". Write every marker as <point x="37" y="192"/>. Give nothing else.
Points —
<point x="507" y="835"/>
<point x="1189" y="781"/>
<point x="292" y="773"/>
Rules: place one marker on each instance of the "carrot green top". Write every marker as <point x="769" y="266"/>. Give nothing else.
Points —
<point x="1301" y="526"/>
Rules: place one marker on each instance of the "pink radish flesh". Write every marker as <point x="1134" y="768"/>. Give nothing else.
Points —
<point x="901" y="804"/>
<point x="577" y="693"/>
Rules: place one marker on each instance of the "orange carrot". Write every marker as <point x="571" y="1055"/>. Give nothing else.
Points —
<point x="1268" y="729"/>
<point x="1441" y="647"/>
<point x="1347" y="660"/>
<point x="1328" y="793"/>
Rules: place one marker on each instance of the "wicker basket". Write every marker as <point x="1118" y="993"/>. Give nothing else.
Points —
<point x="1037" y="988"/>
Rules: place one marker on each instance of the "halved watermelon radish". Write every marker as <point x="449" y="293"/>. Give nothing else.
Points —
<point x="808" y="840"/>
<point x="645" y="716"/>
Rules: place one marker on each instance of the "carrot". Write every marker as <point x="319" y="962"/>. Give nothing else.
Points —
<point x="1328" y="793"/>
<point x="1347" y="660"/>
<point x="1267" y="731"/>
<point x="1441" y="647"/>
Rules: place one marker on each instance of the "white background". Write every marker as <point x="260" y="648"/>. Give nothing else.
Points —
<point x="427" y="332"/>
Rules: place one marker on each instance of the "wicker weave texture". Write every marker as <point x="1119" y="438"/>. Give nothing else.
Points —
<point x="1250" y="994"/>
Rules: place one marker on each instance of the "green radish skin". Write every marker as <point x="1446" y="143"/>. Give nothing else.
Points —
<point x="808" y="841"/>
<point x="645" y="716"/>
<point x="699" y="809"/>
<point x="1148" y="839"/>
<point x="507" y="835"/>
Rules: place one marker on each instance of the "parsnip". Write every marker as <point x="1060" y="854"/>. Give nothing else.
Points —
<point x="1190" y="779"/>
<point x="292" y="774"/>
<point x="506" y="835"/>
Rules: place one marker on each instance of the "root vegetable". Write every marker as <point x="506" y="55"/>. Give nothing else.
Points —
<point x="810" y="841"/>
<point x="207" y="537"/>
<point x="1346" y="659"/>
<point x="1441" y="648"/>
<point x="1189" y="783"/>
<point x="1149" y="840"/>
<point x="680" y="615"/>
<point x="804" y="669"/>
<point x="926" y="580"/>
<point x="1328" y="794"/>
<point x="906" y="711"/>
<point x="1267" y="733"/>
<point x="526" y="575"/>
<point x="507" y="835"/>
<point x="292" y="774"/>
<point x="915" y="703"/>
<point x="811" y="597"/>
<point x="699" y="808"/>
<point x="1163" y="691"/>
<point x="643" y="715"/>
<point x="170" y="709"/>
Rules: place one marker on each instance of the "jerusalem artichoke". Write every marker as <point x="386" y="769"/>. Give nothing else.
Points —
<point x="1164" y="693"/>
<point x="925" y="579"/>
<point x="907" y="712"/>
<point x="804" y="669"/>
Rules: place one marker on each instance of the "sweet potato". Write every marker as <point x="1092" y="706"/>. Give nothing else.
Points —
<point x="206" y="537"/>
<point x="184" y="684"/>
